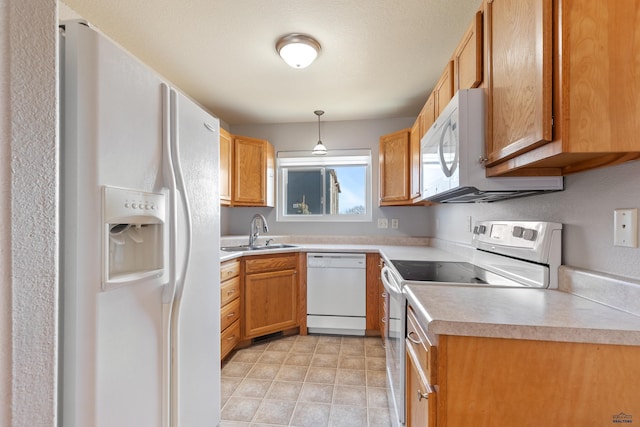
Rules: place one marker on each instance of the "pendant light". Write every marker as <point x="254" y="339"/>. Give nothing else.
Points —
<point x="319" y="149"/>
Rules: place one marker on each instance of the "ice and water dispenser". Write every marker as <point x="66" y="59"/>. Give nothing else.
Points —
<point x="134" y="230"/>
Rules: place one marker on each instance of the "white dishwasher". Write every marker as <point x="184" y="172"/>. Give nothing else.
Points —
<point x="336" y="293"/>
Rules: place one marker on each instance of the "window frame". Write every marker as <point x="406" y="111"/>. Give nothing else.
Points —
<point x="303" y="160"/>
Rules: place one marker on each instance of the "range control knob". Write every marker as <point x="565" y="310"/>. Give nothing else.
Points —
<point x="517" y="231"/>
<point x="482" y="229"/>
<point x="530" y="234"/>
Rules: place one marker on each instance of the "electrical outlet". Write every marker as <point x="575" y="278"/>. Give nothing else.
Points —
<point x="625" y="227"/>
<point x="383" y="223"/>
<point x="394" y="223"/>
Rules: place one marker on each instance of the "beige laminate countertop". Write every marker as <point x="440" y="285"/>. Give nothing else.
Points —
<point x="533" y="314"/>
<point x="517" y="313"/>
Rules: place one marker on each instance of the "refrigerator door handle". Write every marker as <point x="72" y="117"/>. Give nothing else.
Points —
<point x="170" y="179"/>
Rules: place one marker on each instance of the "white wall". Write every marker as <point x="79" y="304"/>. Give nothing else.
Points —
<point x="585" y="208"/>
<point x="28" y="212"/>
<point x="335" y="135"/>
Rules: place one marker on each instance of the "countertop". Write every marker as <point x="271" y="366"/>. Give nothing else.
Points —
<point x="533" y="314"/>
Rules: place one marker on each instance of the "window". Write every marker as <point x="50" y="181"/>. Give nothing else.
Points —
<point x="336" y="187"/>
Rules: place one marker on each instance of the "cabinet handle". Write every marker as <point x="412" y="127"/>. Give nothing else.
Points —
<point x="383" y="320"/>
<point x="231" y="292"/>
<point x="231" y="314"/>
<point x="231" y="338"/>
<point x="412" y="339"/>
<point x="383" y="295"/>
<point x="422" y="395"/>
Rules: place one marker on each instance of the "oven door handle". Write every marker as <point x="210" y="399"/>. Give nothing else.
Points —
<point x="389" y="281"/>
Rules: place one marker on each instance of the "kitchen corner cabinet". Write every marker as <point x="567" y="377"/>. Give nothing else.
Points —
<point x="563" y="85"/>
<point x="229" y="306"/>
<point x="270" y="294"/>
<point x="253" y="172"/>
<point x="373" y="294"/>
<point x="226" y="150"/>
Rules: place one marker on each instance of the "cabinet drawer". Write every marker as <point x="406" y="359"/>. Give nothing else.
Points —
<point x="229" y="291"/>
<point x="271" y="263"/>
<point x="229" y="269"/>
<point x="229" y="314"/>
<point x="229" y="338"/>
<point x="422" y="348"/>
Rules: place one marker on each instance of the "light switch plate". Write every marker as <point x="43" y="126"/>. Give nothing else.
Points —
<point x="625" y="227"/>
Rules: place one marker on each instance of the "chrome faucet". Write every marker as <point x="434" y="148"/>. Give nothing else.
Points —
<point x="255" y="231"/>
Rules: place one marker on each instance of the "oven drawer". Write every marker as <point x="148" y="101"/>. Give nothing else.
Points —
<point x="424" y="351"/>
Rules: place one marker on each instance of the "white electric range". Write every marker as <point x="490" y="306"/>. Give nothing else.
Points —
<point x="516" y="254"/>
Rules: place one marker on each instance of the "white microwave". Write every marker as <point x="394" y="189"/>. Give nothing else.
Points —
<point x="451" y="154"/>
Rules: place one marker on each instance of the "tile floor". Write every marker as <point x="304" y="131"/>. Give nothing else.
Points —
<point x="306" y="381"/>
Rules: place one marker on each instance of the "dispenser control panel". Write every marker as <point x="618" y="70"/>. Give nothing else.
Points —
<point x="121" y="203"/>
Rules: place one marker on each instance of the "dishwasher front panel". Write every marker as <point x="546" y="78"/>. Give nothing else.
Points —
<point x="336" y="293"/>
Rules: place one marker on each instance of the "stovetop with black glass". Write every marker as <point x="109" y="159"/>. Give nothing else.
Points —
<point x="507" y="253"/>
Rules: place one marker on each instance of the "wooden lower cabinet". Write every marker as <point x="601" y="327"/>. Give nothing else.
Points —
<point x="270" y="294"/>
<point x="229" y="306"/>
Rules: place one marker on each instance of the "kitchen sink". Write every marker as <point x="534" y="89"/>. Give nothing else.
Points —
<point x="243" y="248"/>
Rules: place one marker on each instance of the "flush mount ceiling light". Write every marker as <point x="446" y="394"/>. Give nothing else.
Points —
<point x="298" y="50"/>
<point x="319" y="149"/>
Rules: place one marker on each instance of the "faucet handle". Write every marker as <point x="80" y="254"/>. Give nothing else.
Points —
<point x="268" y="242"/>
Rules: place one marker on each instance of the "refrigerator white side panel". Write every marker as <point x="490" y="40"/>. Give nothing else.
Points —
<point x="199" y="324"/>
<point x="112" y="363"/>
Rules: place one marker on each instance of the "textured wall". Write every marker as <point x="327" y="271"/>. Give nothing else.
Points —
<point x="335" y="135"/>
<point x="29" y="204"/>
<point x="585" y="208"/>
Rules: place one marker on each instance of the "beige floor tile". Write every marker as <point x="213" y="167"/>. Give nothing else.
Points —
<point x="376" y="363"/>
<point x="240" y="409"/>
<point x="273" y="357"/>
<point x="280" y="345"/>
<point x="274" y="412"/>
<point x="298" y="359"/>
<point x="309" y="414"/>
<point x="379" y="417"/>
<point x="377" y="397"/>
<point x="228" y="385"/>
<point x="350" y="396"/>
<point x="234" y="369"/>
<point x="304" y="347"/>
<point x="292" y="373"/>
<point x="351" y="350"/>
<point x="351" y="362"/>
<point x="246" y="356"/>
<point x="250" y="387"/>
<point x="318" y="393"/>
<point x="376" y="378"/>
<point x="351" y="377"/>
<point x="321" y="375"/>
<point x="325" y="360"/>
<point x="328" y="348"/>
<point x="334" y="339"/>
<point x="374" y="351"/>
<point x="263" y="371"/>
<point x="284" y="390"/>
<point x="347" y="416"/>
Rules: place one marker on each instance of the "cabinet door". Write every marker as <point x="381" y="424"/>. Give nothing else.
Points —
<point x="420" y="398"/>
<point x="414" y="148"/>
<point x="225" y="167"/>
<point x="249" y="171"/>
<point x="428" y="115"/>
<point x="520" y="77"/>
<point x="394" y="168"/>
<point x="270" y="302"/>
<point x="444" y="89"/>
<point x="468" y="56"/>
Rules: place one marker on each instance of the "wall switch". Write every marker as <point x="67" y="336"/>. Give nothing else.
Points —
<point x="383" y="223"/>
<point x="394" y="223"/>
<point x="625" y="227"/>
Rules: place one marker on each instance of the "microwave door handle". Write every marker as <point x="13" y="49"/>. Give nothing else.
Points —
<point x="443" y="164"/>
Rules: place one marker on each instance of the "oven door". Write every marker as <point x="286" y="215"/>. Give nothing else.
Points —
<point x="394" y="345"/>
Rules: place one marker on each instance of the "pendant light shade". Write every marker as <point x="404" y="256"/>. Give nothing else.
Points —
<point x="298" y="50"/>
<point x="319" y="149"/>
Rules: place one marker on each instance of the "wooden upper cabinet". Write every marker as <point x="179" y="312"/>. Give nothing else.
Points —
<point x="253" y="172"/>
<point x="428" y="115"/>
<point x="414" y="161"/>
<point x="395" y="168"/>
<point x="444" y="89"/>
<point x="563" y="85"/>
<point x="520" y="76"/>
<point x="225" y="167"/>
<point x="468" y="56"/>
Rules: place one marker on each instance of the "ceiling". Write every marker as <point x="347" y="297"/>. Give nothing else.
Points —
<point x="379" y="58"/>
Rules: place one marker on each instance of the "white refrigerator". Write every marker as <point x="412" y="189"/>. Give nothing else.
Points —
<point x="140" y="335"/>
